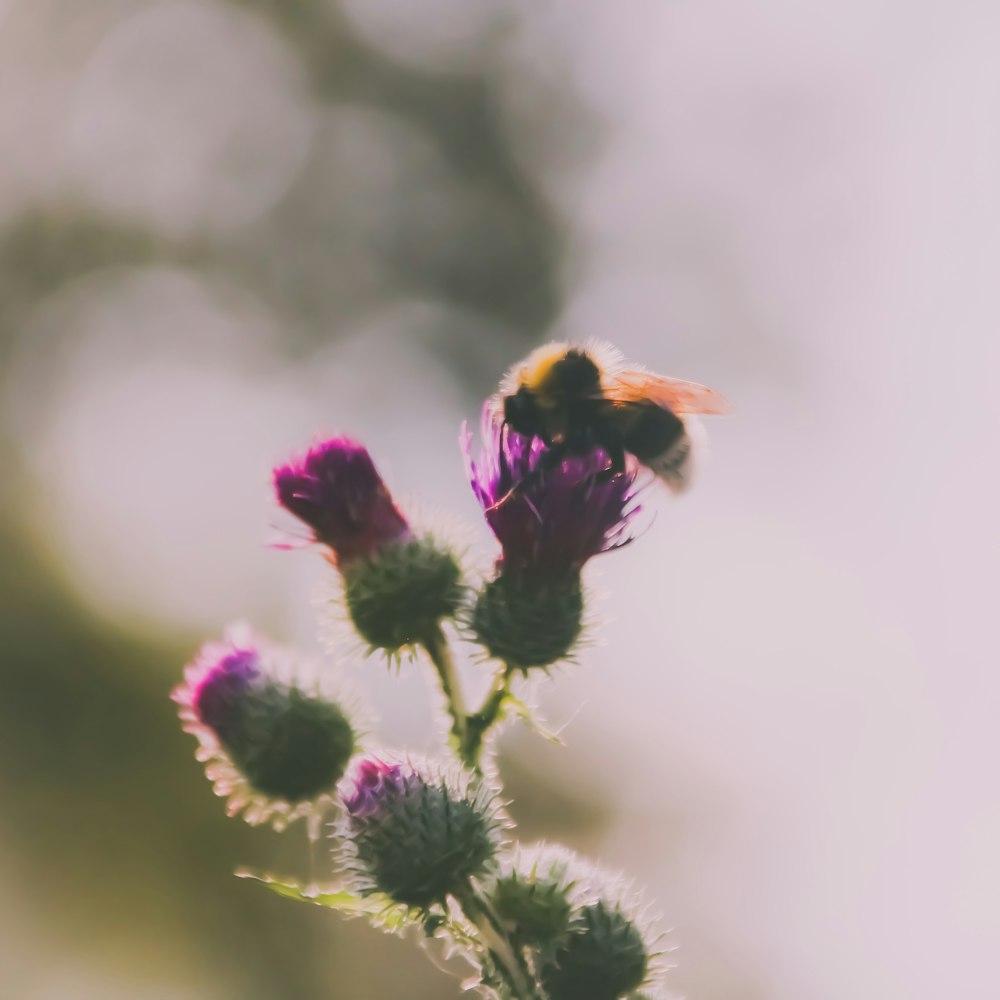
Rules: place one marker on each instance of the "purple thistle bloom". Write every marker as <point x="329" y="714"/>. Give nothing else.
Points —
<point x="374" y="780"/>
<point x="563" y="517"/>
<point x="337" y="491"/>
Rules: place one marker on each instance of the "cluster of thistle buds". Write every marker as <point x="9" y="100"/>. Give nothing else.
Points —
<point x="427" y="844"/>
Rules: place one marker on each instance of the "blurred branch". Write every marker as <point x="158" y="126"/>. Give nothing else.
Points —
<point x="458" y="112"/>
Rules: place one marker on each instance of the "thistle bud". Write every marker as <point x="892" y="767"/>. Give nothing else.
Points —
<point x="602" y="957"/>
<point x="398" y="588"/>
<point x="275" y="750"/>
<point x="415" y="836"/>
<point x="549" y="521"/>
<point x="533" y="894"/>
<point x="528" y="625"/>
<point x="399" y="597"/>
<point x="336" y="491"/>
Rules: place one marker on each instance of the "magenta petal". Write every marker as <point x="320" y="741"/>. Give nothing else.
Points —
<point x="374" y="780"/>
<point x="560" y="520"/>
<point x="336" y="490"/>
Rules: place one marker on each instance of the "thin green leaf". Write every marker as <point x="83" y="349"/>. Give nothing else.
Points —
<point x="379" y="909"/>
<point x="521" y="710"/>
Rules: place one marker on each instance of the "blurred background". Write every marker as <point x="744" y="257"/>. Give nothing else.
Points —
<point x="226" y="226"/>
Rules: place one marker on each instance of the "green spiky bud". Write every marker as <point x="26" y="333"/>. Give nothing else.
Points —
<point x="399" y="595"/>
<point x="273" y="747"/>
<point x="528" y="624"/>
<point x="293" y="746"/>
<point x="602" y="957"/>
<point x="418" y="837"/>
<point x="532" y="895"/>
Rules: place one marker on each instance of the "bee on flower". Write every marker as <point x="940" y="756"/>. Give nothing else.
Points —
<point x="568" y="445"/>
<point x="575" y="398"/>
<point x="558" y="518"/>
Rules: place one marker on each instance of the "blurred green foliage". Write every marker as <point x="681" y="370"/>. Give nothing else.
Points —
<point x="124" y="854"/>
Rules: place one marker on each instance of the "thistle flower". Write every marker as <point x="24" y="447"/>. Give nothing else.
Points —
<point x="530" y="614"/>
<point x="416" y="834"/>
<point x="602" y="957"/>
<point x="335" y="489"/>
<point x="274" y="750"/>
<point x="398" y="587"/>
<point x="560" y="518"/>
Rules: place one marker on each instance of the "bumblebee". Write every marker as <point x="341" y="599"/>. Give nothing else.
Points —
<point x="577" y="398"/>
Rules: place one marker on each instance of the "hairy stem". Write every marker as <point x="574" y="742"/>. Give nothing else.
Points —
<point x="480" y="914"/>
<point x="468" y="730"/>
<point x="482" y="721"/>
<point x="440" y="654"/>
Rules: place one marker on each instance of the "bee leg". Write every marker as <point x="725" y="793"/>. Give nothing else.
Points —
<point x="617" y="465"/>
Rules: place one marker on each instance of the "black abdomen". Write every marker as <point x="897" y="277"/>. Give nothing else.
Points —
<point x="649" y="431"/>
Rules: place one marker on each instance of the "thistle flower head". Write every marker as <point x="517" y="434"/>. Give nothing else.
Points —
<point x="534" y="892"/>
<point x="560" y="517"/>
<point x="416" y="833"/>
<point x="606" y="951"/>
<point x="335" y="489"/>
<point x="602" y="957"/>
<point x="528" y="624"/>
<point x="397" y="588"/>
<point x="398" y="597"/>
<point x="275" y="750"/>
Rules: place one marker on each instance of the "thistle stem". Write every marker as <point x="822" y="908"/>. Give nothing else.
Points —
<point x="440" y="654"/>
<point x="480" y="722"/>
<point x="468" y="730"/>
<point x="480" y="914"/>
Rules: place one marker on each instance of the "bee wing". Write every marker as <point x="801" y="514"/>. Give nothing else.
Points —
<point x="675" y="394"/>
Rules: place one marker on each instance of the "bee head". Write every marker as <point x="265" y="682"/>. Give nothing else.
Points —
<point x="575" y="375"/>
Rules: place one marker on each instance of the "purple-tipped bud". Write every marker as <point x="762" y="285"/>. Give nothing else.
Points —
<point x="556" y="519"/>
<point x="270" y="747"/>
<point x="335" y="489"/>
<point x="373" y="781"/>
<point x="417" y="836"/>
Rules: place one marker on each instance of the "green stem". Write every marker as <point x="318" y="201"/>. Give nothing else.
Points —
<point x="481" y="915"/>
<point x="480" y="722"/>
<point x="468" y="730"/>
<point x="440" y="654"/>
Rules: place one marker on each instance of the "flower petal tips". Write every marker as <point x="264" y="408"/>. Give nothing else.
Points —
<point x="372" y="780"/>
<point x="336" y="490"/>
<point x="559" y="519"/>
